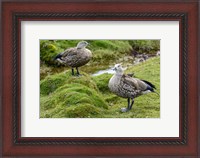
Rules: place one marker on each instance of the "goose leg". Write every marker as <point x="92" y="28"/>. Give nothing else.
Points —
<point x="78" y="74"/>
<point x="73" y="71"/>
<point x="128" y="107"/>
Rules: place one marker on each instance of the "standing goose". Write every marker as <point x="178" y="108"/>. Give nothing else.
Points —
<point x="75" y="57"/>
<point x="127" y="87"/>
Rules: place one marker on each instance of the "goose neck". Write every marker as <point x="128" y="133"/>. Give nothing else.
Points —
<point x="119" y="74"/>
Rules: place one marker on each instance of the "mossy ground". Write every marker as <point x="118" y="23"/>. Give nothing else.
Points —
<point x="104" y="52"/>
<point x="65" y="96"/>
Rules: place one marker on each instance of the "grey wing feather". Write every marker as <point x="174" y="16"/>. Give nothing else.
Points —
<point x="142" y="85"/>
<point x="70" y="51"/>
<point x="129" y="83"/>
<point x="133" y="83"/>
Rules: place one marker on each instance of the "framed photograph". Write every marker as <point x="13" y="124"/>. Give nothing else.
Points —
<point x="100" y="79"/>
<point x="90" y="96"/>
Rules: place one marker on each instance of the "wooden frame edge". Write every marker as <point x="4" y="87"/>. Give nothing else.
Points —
<point x="199" y="78"/>
<point x="1" y="80"/>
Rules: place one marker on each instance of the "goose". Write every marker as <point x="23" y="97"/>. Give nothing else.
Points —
<point x="75" y="57"/>
<point x="128" y="87"/>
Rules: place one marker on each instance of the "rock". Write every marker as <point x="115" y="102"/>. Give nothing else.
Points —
<point x="158" y="53"/>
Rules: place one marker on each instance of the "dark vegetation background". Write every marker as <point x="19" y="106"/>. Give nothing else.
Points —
<point x="88" y="96"/>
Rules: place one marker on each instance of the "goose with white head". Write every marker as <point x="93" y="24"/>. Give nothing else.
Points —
<point x="75" y="57"/>
<point x="128" y="87"/>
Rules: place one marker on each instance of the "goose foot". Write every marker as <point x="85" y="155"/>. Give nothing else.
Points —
<point x="78" y="75"/>
<point x="124" y="109"/>
<point x="129" y="106"/>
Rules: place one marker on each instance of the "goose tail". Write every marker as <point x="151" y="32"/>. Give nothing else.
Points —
<point x="156" y="92"/>
<point x="151" y="87"/>
<point x="57" y="57"/>
<point x="149" y="84"/>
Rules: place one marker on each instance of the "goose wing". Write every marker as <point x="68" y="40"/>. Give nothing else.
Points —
<point x="149" y="83"/>
<point x="128" y="83"/>
<point x="146" y="85"/>
<point x="142" y="85"/>
<point x="131" y="84"/>
<point x="69" y="52"/>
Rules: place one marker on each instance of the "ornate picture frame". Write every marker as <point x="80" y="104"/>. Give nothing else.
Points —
<point x="13" y="13"/>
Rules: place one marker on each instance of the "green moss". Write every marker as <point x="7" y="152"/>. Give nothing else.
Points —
<point x="82" y="111"/>
<point x="109" y="50"/>
<point x="79" y="93"/>
<point x="102" y="82"/>
<point x="60" y="92"/>
<point x="48" y="50"/>
<point x="145" y="46"/>
<point x="51" y="83"/>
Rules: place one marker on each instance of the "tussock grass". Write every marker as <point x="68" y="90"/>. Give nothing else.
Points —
<point x="102" y="82"/>
<point x="61" y="93"/>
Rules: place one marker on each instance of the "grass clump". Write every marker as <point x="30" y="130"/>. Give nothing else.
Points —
<point x="82" y="111"/>
<point x="51" y="83"/>
<point x="48" y="50"/>
<point x="61" y="93"/>
<point x="109" y="50"/>
<point x="102" y="82"/>
<point x="145" y="46"/>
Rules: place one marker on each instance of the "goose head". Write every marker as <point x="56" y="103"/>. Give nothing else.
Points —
<point x="82" y="44"/>
<point x="118" y="69"/>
